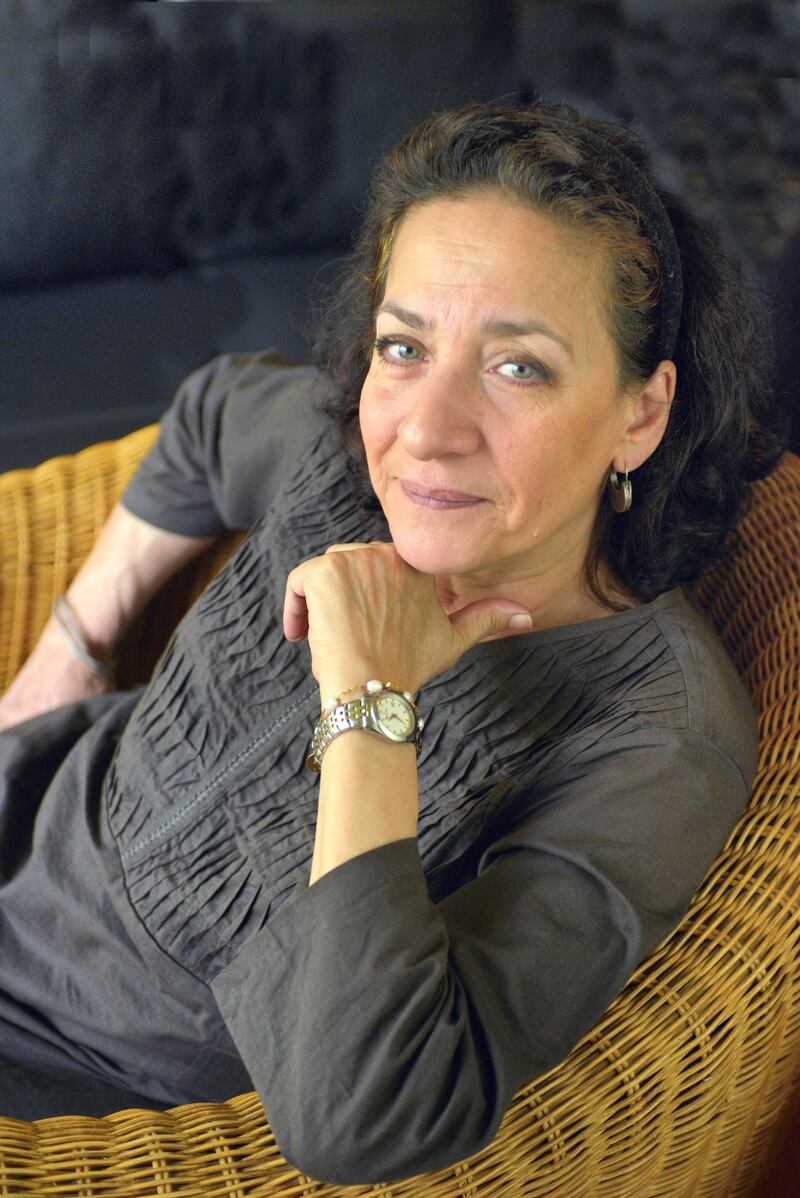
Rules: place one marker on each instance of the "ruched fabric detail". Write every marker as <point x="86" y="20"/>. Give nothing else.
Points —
<point x="208" y="797"/>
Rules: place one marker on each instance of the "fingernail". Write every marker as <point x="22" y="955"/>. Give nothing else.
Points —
<point x="520" y="621"/>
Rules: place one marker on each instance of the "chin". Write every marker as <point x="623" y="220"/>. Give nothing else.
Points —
<point x="435" y="554"/>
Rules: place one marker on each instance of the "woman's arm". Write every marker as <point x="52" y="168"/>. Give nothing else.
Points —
<point x="387" y="1032"/>
<point x="357" y="811"/>
<point x="369" y="615"/>
<point x="128" y="564"/>
<point x="233" y="429"/>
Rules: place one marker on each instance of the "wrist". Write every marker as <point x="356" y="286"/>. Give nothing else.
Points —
<point x="380" y="707"/>
<point x="81" y="647"/>
<point x="329" y="696"/>
<point x="98" y="614"/>
<point x="60" y="656"/>
<point x="343" y="687"/>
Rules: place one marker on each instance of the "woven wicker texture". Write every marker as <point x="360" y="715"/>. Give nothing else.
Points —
<point x="679" y="1092"/>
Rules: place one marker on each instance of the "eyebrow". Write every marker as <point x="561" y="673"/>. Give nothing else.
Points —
<point x="496" y="328"/>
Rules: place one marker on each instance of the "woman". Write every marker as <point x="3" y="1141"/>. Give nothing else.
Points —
<point x="550" y="394"/>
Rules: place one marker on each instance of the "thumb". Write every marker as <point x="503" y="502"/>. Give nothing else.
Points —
<point x="480" y="620"/>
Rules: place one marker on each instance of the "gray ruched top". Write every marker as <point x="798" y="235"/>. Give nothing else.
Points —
<point x="576" y="783"/>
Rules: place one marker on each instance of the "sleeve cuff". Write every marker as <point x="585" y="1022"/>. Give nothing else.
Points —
<point x="199" y="521"/>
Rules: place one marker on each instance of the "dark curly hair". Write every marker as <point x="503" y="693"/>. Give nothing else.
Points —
<point x="725" y="428"/>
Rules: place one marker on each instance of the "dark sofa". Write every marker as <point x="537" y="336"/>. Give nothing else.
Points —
<point x="175" y="177"/>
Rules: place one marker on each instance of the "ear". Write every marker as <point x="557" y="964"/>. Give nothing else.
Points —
<point x="646" y="416"/>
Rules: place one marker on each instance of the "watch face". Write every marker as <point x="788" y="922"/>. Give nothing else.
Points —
<point x="394" y="715"/>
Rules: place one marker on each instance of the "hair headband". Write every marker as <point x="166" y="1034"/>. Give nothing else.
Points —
<point x="658" y="228"/>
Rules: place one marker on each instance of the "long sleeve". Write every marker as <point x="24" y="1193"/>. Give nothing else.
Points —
<point x="386" y="1033"/>
<point x="234" y="428"/>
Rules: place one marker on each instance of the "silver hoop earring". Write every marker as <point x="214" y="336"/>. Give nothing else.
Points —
<point x="621" y="492"/>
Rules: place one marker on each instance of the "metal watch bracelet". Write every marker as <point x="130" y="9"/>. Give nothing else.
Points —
<point x="354" y="715"/>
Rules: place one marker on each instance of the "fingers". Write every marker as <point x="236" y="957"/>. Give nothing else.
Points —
<point x="295" y="609"/>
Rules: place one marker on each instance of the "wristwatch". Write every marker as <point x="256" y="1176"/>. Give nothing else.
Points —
<point x="385" y="709"/>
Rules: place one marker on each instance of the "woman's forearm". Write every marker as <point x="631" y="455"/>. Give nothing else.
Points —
<point x="129" y="563"/>
<point x="369" y="796"/>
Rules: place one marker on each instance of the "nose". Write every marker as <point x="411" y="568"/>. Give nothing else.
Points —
<point x="440" y="419"/>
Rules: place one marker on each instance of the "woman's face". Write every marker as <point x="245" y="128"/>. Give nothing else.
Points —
<point x="493" y="379"/>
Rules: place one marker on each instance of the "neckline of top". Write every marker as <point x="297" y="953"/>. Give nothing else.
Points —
<point x="561" y="632"/>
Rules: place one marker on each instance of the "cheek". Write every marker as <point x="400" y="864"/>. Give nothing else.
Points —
<point x="538" y="470"/>
<point x="377" y="424"/>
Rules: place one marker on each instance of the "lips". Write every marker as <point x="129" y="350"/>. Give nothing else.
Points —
<point x="444" y="496"/>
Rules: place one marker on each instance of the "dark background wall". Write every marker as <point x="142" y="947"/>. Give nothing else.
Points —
<point x="175" y="176"/>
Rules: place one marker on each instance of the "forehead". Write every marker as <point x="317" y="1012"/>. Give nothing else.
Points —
<point x="460" y="256"/>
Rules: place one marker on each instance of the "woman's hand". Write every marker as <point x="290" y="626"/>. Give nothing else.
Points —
<point x="50" y="678"/>
<point x="368" y="614"/>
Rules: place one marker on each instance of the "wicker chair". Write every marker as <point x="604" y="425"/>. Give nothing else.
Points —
<point x="682" y="1088"/>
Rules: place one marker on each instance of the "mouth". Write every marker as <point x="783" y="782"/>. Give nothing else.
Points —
<point x="438" y="499"/>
